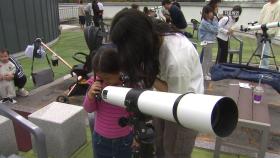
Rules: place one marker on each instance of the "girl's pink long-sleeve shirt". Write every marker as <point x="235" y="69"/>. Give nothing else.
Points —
<point x="107" y="118"/>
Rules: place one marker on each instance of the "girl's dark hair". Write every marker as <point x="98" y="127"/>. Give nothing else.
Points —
<point x="106" y="60"/>
<point x="4" y="50"/>
<point x="213" y="3"/>
<point x="237" y="8"/>
<point x="164" y="28"/>
<point x="205" y="11"/>
<point x="138" y="45"/>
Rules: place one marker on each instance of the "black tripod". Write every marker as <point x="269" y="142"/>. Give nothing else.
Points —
<point x="264" y="40"/>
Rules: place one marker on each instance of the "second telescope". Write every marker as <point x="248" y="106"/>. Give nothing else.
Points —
<point x="204" y="113"/>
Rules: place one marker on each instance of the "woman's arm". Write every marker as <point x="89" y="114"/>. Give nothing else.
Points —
<point x="211" y="26"/>
<point x="222" y="24"/>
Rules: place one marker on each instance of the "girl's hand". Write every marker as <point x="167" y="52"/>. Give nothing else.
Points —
<point x="135" y="144"/>
<point x="94" y="90"/>
<point x="8" y="77"/>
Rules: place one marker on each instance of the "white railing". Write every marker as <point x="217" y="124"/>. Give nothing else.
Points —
<point x="69" y="12"/>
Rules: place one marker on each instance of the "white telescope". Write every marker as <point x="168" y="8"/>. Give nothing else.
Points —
<point x="204" y="113"/>
<point x="261" y="27"/>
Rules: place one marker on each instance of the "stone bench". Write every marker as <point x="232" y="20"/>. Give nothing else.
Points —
<point x="64" y="127"/>
<point x="8" y="143"/>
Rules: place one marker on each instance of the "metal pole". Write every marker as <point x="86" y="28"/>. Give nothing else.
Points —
<point x="61" y="59"/>
<point x="40" y="139"/>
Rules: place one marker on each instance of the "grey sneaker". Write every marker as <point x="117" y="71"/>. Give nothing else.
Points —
<point x="207" y="78"/>
<point x="22" y="92"/>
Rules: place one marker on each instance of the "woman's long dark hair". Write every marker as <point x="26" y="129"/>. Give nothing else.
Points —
<point x="138" y="45"/>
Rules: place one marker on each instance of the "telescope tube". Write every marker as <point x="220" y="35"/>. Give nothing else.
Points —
<point x="259" y="27"/>
<point x="204" y="113"/>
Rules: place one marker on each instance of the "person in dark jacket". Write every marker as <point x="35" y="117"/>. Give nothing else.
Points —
<point x="177" y="16"/>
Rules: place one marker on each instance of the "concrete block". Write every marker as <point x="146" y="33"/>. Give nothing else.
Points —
<point x="64" y="127"/>
<point x="8" y="144"/>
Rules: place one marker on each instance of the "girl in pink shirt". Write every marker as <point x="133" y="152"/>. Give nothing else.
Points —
<point x="109" y="138"/>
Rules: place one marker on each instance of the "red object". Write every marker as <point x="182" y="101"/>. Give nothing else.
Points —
<point x="23" y="137"/>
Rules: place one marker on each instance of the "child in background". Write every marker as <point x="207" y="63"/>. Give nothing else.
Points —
<point x="208" y="31"/>
<point x="109" y="138"/>
<point x="82" y="14"/>
<point x="225" y="31"/>
<point x="7" y="71"/>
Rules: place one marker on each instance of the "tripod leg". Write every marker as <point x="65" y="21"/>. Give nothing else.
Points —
<point x="254" y="54"/>
<point x="262" y="54"/>
<point x="273" y="56"/>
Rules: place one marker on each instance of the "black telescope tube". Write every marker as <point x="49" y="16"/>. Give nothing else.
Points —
<point x="131" y="99"/>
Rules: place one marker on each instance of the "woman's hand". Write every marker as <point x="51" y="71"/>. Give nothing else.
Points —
<point x="94" y="90"/>
<point x="160" y="85"/>
<point x="230" y="31"/>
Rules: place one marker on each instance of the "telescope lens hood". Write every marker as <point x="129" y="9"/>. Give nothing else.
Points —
<point x="224" y="117"/>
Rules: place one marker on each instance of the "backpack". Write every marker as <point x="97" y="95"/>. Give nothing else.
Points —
<point x="94" y="37"/>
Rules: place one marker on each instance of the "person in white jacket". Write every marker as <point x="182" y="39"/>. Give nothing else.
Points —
<point x="269" y="13"/>
<point x="153" y="52"/>
<point x="225" y="31"/>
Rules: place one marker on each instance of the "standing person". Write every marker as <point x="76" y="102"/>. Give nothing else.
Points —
<point x="269" y="13"/>
<point x="163" y="58"/>
<point x="214" y="4"/>
<point x="208" y="30"/>
<point x="134" y="6"/>
<point x="109" y="138"/>
<point x="98" y="10"/>
<point x="88" y="14"/>
<point x="146" y="10"/>
<point x="174" y="2"/>
<point x="7" y="72"/>
<point x="81" y="13"/>
<point x="225" y="31"/>
<point x="176" y="15"/>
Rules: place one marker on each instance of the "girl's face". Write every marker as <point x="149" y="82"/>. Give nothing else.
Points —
<point x="236" y="15"/>
<point x="4" y="57"/>
<point x="110" y="79"/>
<point x="210" y="16"/>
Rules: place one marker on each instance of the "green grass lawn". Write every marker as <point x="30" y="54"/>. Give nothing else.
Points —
<point x="69" y="43"/>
